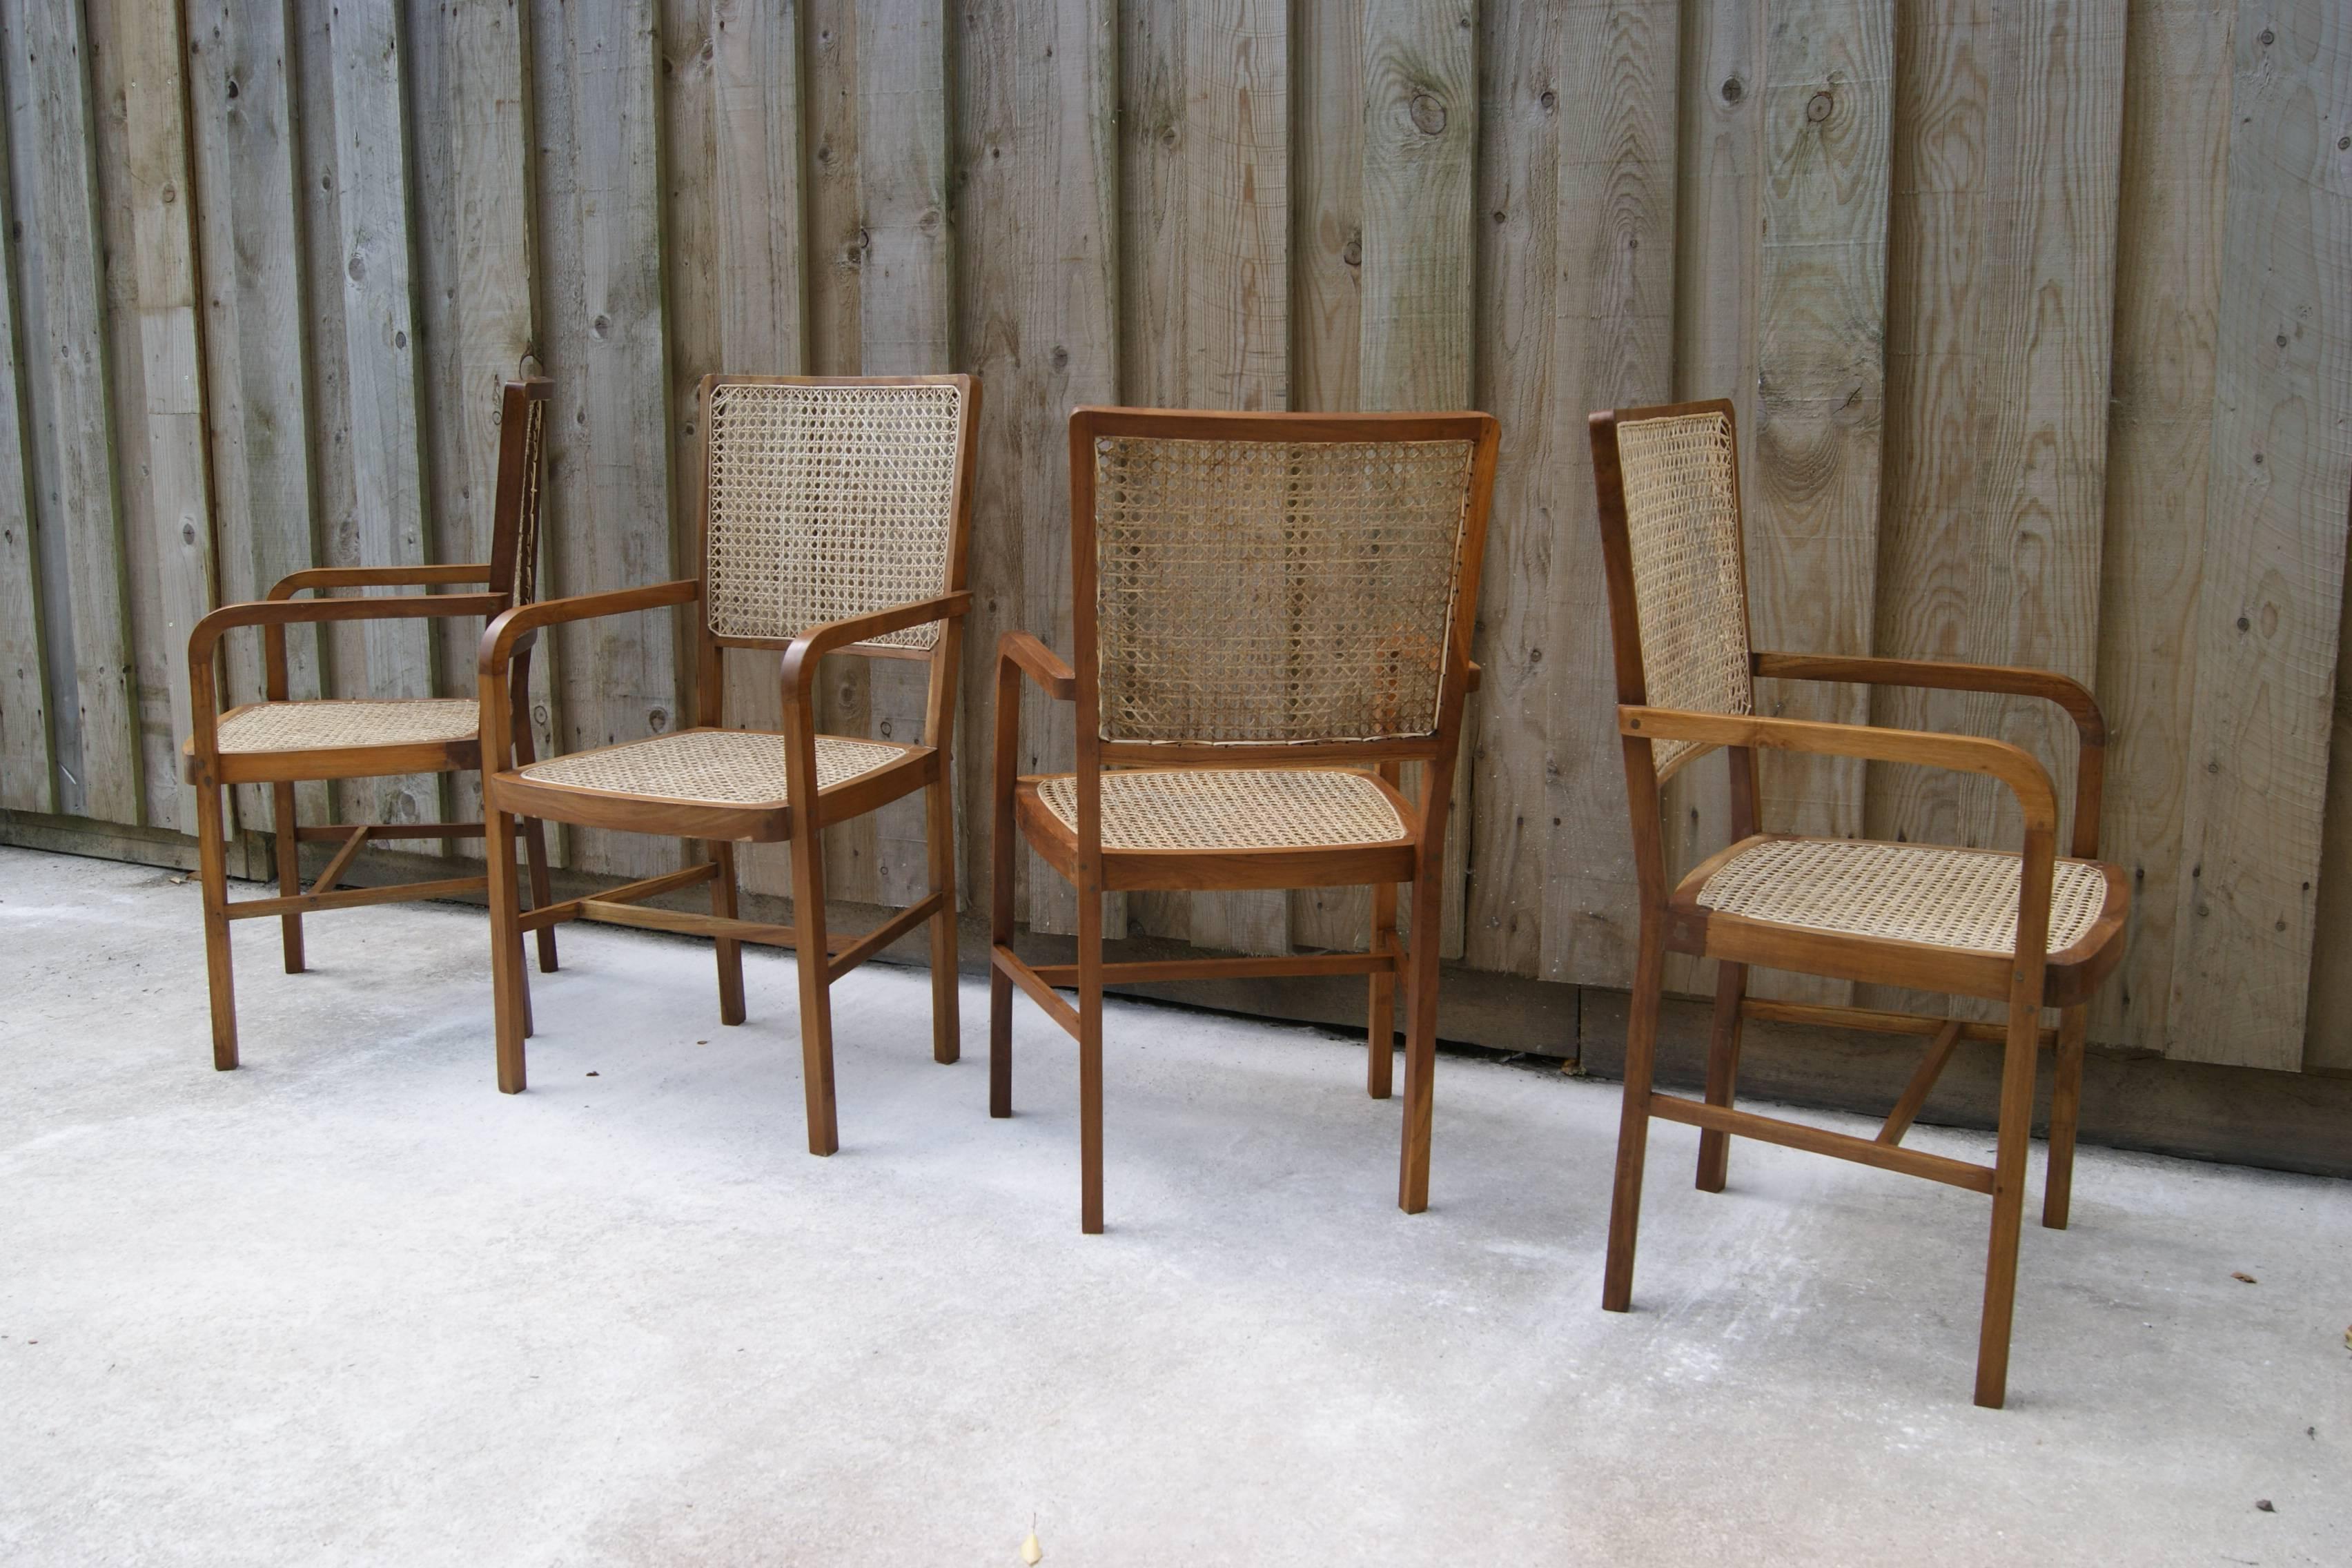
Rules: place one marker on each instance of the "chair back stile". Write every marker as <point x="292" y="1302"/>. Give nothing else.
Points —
<point x="515" y="514"/>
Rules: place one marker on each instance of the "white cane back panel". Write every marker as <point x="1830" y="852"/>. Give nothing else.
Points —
<point x="1682" y="512"/>
<point x="1260" y="592"/>
<point x="826" y="502"/>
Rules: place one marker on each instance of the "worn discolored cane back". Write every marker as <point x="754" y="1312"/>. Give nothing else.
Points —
<point x="281" y="742"/>
<point x="1271" y="615"/>
<point x="2027" y="928"/>
<point x="835" y="520"/>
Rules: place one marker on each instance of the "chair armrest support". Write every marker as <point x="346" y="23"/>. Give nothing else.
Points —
<point x="293" y="583"/>
<point x="1021" y="651"/>
<point x="801" y="657"/>
<point x="2013" y="765"/>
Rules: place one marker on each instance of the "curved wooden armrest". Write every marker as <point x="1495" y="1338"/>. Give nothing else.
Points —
<point x="2009" y="680"/>
<point x="2011" y="765"/>
<point x="499" y="637"/>
<point x="1041" y="665"/>
<point x="293" y="583"/>
<point x="293" y="612"/>
<point x="801" y="659"/>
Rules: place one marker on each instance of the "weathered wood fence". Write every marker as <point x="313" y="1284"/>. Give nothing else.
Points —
<point x="2039" y="317"/>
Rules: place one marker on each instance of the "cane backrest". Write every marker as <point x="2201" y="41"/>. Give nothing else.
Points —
<point x="827" y="499"/>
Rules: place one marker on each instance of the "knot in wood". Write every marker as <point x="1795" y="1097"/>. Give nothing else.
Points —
<point x="1817" y="106"/>
<point x="1428" y="114"/>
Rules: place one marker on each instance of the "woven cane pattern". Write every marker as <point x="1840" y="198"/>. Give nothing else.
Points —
<point x="1275" y="592"/>
<point x="725" y="767"/>
<point x="1236" y="809"/>
<point x="333" y="725"/>
<point x="1683" y="514"/>
<point x="534" y="440"/>
<point x="1904" y="892"/>
<point x="826" y="502"/>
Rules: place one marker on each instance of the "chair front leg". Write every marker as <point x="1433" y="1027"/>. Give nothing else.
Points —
<point x="1722" y="1071"/>
<point x="2066" y="1111"/>
<point x="2019" y="1061"/>
<point x="1633" y="1117"/>
<point x="815" y="990"/>
<point x="212" y="871"/>
<point x="508" y="1003"/>
<point x="1004" y="843"/>
<point x="290" y="874"/>
<point x="947" y="1023"/>
<point x="1420" y="1037"/>
<point x="1090" y="1059"/>
<point x="729" y="951"/>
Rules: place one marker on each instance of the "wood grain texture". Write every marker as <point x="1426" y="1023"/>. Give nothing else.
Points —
<point x="733" y="230"/>
<point x="1420" y="276"/>
<point x="2001" y="266"/>
<point x="2169" y="242"/>
<point x="594" y="75"/>
<point x="2327" y="1030"/>
<point x="250" y="259"/>
<point x="1524" y="123"/>
<point x="1207" y="228"/>
<point x="26" y="780"/>
<point x="1613" y="347"/>
<point x="1042" y="310"/>
<point x="1718" y="265"/>
<point x="1327" y="304"/>
<point x="78" y="538"/>
<point x="907" y="327"/>
<point x="1818" y="429"/>
<point x="2266" y="626"/>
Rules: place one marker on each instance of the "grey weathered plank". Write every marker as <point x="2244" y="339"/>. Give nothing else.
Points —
<point x="2266" y="631"/>
<point x="26" y="780"/>
<point x="2174" y="161"/>
<point x="1817" y="433"/>
<point x="1421" y="137"/>
<point x="594" y="75"/>
<point x="380" y="353"/>
<point x="249" y="259"/>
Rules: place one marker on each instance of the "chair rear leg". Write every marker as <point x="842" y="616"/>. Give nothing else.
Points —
<point x="809" y="955"/>
<point x="947" y="1024"/>
<point x="1633" y="1118"/>
<point x="509" y="1006"/>
<point x="1380" y="1027"/>
<point x="729" y="951"/>
<point x="1002" y="846"/>
<point x="542" y="892"/>
<point x="1722" y="1071"/>
<point x="211" y="871"/>
<point x="1419" y="1048"/>
<point x="290" y="874"/>
<point x="2020" y="1060"/>
<point x="2065" y="1110"/>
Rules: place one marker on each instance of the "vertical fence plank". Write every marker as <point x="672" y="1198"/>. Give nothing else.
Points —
<point x="380" y="356"/>
<point x="734" y="235"/>
<point x="248" y="236"/>
<point x="1421" y="142"/>
<point x="1038" y="216"/>
<point x="27" y="782"/>
<point x="1812" y="515"/>
<point x="164" y="268"/>
<point x="78" y="531"/>
<point x="1613" y="347"/>
<point x="1327" y="308"/>
<point x="2169" y="236"/>
<point x="2267" y="627"/>
<point x="1717" y="262"/>
<point x="907" y="327"/>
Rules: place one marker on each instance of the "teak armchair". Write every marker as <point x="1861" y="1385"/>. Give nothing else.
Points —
<point x="835" y="520"/>
<point x="281" y="743"/>
<point x="1271" y="612"/>
<point x="2031" y="929"/>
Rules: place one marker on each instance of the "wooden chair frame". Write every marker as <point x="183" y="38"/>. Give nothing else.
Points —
<point x="1672" y="920"/>
<point x="1079" y="857"/>
<point x="825" y="956"/>
<point x="210" y="771"/>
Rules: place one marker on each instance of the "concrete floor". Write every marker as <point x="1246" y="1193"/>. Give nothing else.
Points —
<point x="351" y="1305"/>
